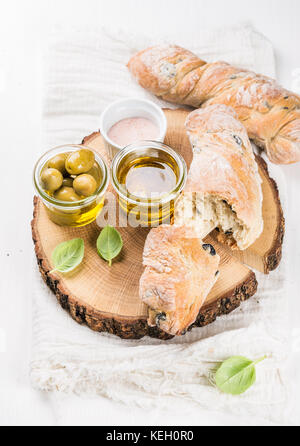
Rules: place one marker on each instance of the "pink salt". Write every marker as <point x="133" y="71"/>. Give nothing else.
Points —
<point x="130" y="130"/>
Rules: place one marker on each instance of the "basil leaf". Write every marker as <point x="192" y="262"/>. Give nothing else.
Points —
<point x="68" y="255"/>
<point x="236" y="375"/>
<point x="109" y="243"/>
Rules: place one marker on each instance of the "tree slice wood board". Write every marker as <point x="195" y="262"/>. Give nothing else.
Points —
<point x="265" y="254"/>
<point x="106" y="298"/>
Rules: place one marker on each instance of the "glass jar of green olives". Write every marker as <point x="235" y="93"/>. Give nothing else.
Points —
<point x="71" y="180"/>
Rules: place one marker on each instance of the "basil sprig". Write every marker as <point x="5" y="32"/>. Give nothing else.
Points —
<point x="109" y="243"/>
<point x="68" y="255"/>
<point x="236" y="375"/>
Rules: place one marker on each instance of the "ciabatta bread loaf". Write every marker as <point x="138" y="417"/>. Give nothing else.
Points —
<point x="270" y="113"/>
<point x="180" y="271"/>
<point x="223" y="188"/>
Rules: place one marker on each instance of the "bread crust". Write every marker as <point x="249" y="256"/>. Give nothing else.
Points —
<point x="180" y="271"/>
<point x="224" y="168"/>
<point x="270" y="113"/>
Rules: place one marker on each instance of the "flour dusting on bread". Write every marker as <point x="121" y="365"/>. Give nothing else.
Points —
<point x="268" y="111"/>
<point x="223" y="189"/>
<point x="180" y="271"/>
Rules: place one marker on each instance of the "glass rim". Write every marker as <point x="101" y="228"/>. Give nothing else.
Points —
<point x="135" y="199"/>
<point x="74" y="204"/>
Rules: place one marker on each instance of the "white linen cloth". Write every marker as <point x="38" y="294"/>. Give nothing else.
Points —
<point x="86" y="70"/>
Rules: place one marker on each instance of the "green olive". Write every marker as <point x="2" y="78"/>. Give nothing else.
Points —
<point x="66" y="194"/>
<point x="67" y="182"/>
<point x="95" y="172"/>
<point x="58" y="162"/>
<point x="80" y="161"/>
<point x="51" y="179"/>
<point x="85" y="185"/>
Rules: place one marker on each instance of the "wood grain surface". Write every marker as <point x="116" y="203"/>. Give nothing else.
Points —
<point x="107" y="299"/>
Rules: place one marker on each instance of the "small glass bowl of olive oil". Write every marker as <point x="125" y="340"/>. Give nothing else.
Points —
<point x="148" y="177"/>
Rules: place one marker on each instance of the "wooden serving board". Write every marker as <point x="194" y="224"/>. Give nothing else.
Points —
<point x="106" y="298"/>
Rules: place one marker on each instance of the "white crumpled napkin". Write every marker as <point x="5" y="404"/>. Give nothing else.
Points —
<point x="85" y="71"/>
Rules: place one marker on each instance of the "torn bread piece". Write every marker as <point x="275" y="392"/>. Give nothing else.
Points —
<point x="180" y="272"/>
<point x="223" y="189"/>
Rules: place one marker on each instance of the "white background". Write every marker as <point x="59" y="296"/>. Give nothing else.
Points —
<point x="24" y="26"/>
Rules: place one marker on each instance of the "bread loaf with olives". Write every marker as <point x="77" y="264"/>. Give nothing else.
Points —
<point x="270" y="113"/>
<point x="180" y="271"/>
<point x="223" y="188"/>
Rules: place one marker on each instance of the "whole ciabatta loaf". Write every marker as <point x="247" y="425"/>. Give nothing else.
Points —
<point x="270" y="113"/>
<point x="180" y="272"/>
<point x="223" y="188"/>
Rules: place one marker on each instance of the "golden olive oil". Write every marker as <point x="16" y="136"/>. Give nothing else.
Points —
<point x="148" y="183"/>
<point x="76" y="217"/>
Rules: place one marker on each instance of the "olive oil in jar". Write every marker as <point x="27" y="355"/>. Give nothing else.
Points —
<point x="148" y="181"/>
<point x="148" y="178"/>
